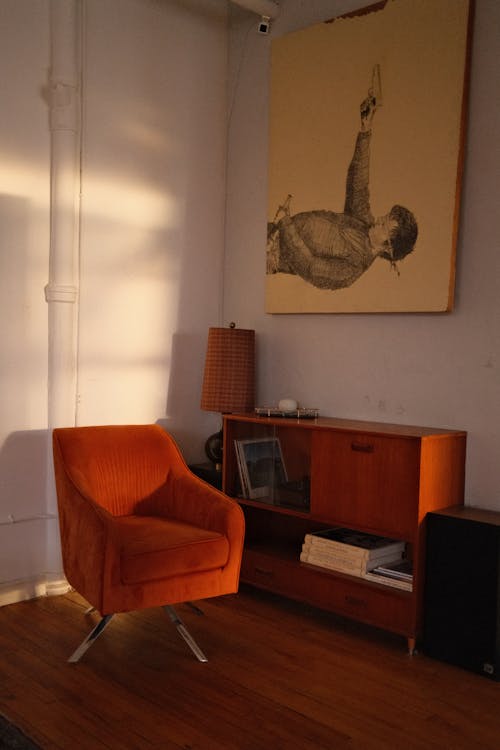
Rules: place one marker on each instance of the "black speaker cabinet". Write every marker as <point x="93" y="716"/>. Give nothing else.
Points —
<point x="462" y="589"/>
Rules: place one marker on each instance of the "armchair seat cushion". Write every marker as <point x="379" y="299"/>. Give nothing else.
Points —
<point x="154" y="548"/>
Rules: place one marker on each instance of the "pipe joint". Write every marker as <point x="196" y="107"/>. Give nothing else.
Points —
<point x="61" y="293"/>
<point x="64" y="109"/>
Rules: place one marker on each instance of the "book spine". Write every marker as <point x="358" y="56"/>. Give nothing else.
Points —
<point x="348" y="550"/>
<point x="340" y="565"/>
<point x="345" y="563"/>
<point x="333" y="557"/>
<point x="358" y="553"/>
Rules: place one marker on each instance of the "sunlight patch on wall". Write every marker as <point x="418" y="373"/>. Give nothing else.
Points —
<point x="105" y="197"/>
<point x="22" y="181"/>
<point x="143" y="135"/>
<point x="129" y="311"/>
<point x="128" y="202"/>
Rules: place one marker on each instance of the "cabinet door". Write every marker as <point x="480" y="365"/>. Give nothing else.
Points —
<point x="366" y="481"/>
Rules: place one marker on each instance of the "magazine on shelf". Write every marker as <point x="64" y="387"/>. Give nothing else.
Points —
<point x="396" y="583"/>
<point x="396" y="573"/>
<point x="261" y="466"/>
<point x="400" y="569"/>
<point x="355" y="543"/>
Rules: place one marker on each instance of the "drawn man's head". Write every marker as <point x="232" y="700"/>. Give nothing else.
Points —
<point x="393" y="236"/>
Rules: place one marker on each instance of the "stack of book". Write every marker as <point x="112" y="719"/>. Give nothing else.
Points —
<point x="348" y="551"/>
<point x="398" y="573"/>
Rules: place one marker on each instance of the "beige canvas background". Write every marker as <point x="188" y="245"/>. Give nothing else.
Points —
<point x="319" y="77"/>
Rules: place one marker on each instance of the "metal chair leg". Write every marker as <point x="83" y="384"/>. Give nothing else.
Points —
<point x="184" y="633"/>
<point x="89" y="640"/>
<point x="195" y="608"/>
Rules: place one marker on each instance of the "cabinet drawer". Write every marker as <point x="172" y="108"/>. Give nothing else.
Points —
<point x="268" y="572"/>
<point x="376" y="605"/>
<point x="364" y="480"/>
<point x="386" y="608"/>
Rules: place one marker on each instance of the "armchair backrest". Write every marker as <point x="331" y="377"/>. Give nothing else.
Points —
<point x="117" y="466"/>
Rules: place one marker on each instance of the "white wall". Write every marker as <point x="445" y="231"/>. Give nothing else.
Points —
<point x="151" y="250"/>
<point x="154" y="143"/>
<point x="438" y="370"/>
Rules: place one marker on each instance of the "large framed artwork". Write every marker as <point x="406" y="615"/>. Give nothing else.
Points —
<point x="367" y="127"/>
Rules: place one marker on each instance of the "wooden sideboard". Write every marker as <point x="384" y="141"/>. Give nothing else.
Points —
<point x="372" y="477"/>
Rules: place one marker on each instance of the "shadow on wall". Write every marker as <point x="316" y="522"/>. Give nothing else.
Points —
<point x="183" y="398"/>
<point x="18" y="327"/>
<point x="23" y="475"/>
<point x="23" y="506"/>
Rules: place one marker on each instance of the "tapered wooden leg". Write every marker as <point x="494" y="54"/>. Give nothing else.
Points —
<point x="411" y="646"/>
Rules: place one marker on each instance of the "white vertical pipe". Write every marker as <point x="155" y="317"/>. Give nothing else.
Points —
<point x="61" y="291"/>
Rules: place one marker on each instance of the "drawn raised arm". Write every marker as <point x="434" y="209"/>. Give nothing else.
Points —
<point x="367" y="110"/>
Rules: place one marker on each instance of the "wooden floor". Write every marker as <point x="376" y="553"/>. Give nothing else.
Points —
<point x="280" y="675"/>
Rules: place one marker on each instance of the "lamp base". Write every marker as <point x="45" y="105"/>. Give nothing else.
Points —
<point x="214" y="447"/>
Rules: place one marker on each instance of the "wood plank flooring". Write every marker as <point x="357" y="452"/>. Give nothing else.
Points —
<point x="280" y="675"/>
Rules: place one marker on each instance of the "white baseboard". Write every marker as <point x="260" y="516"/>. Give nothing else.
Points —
<point x="57" y="587"/>
<point x="31" y="588"/>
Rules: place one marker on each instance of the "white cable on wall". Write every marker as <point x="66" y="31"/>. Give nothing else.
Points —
<point x="10" y="519"/>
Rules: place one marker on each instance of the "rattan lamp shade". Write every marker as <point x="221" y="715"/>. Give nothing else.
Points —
<point x="229" y="379"/>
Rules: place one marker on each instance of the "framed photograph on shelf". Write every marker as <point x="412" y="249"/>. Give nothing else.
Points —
<point x="261" y="466"/>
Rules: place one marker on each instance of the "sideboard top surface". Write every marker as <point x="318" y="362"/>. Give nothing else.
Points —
<point x="348" y="425"/>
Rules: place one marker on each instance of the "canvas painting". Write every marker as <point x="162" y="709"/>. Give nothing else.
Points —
<point x="366" y="141"/>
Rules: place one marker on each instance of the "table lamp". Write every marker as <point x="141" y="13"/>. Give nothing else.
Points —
<point x="229" y="378"/>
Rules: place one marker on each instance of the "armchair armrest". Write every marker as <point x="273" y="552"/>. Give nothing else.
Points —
<point x="194" y="501"/>
<point x="85" y="528"/>
<point x="187" y="498"/>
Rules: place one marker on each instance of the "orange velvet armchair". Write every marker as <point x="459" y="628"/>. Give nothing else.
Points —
<point x="138" y="529"/>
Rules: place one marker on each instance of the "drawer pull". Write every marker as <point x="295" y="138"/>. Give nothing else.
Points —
<point x="363" y="447"/>
<point x="263" y="571"/>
